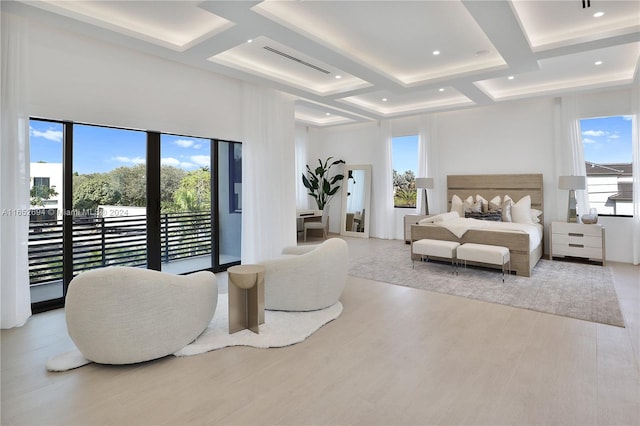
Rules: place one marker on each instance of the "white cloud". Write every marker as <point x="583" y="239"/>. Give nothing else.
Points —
<point x="52" y="135"/>
<point x="595" y="133"/>
<point x="587" y="140"/>
<point x="169" y="161"/>
<point x="627" y="117"/>
<point x="184" y="143"/>
<point x="187" y="165"/>
<point x="129" y="160"/>
<point x="197" y="146"/>
<point x="201" y="160"/>
<point x="615" y="135"/>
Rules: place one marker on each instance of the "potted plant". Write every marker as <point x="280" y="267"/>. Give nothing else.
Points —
<point x="319" y="182"/>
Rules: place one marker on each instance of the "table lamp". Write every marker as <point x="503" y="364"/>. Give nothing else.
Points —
<point x="424" y="183"/>
<point x="572" y="183"/>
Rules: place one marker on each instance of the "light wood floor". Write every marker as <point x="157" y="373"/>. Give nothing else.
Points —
<point x="395" y="356"/>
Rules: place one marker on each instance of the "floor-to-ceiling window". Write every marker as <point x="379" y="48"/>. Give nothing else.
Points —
<point x="104" y="196"/>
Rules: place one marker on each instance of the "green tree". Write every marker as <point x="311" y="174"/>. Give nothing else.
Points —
<point x="194" y="192"/>
<point x="95" y="191"/>
<point x="130" y="182"/>
<point x="170" y="179"/>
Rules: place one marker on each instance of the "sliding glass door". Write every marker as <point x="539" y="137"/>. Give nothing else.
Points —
<point x="109" y="197"/>
<point x="105" y="196"/>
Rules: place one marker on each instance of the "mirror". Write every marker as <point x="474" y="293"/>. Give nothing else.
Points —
<point x="356" y="189"/>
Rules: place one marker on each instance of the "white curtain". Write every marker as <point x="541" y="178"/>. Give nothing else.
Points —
<point x="382" y="218"/>
<point x="14" y="174"/>
<point x="268" y="173"/>
<point x="635" y="131"/>
<point x="428" y="163"/>
<point x="302" y="199"/>
<point x="569" y="155"/>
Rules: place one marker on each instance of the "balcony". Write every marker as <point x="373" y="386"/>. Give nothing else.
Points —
<point x="111" y="241"/>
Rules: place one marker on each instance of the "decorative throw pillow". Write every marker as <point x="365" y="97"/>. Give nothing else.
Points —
<point x="493" y="216"/>
<point x="521" y="211"/>
<point x="485" y="203"/>
<point x="506" y="209"/>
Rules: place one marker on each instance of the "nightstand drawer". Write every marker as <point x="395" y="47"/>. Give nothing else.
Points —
<point x="577" y="229"/>
<point x="577" y="251"/>
<point x="575" y="240"/>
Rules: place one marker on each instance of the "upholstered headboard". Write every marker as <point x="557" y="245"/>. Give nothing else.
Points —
<point x="488" y="186"/>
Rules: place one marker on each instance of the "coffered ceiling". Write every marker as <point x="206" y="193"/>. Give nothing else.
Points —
<point x="350" y="61"/>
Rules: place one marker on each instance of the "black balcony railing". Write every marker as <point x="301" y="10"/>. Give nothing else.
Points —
<point x="110" y="241"/>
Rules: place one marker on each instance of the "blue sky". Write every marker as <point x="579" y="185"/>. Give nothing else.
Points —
<point x="101" y="149"/>
<point x="405" y="153"/>
<point x="607" y="139"/>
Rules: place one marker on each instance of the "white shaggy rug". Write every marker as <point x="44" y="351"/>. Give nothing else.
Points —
<point x="280" y="329"/>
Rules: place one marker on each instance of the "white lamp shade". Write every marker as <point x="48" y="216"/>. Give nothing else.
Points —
<point x="424" y="182"/>
<point x="572" y="182"/>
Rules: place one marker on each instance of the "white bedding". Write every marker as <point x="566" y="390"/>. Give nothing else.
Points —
<point x="459" y="226"/>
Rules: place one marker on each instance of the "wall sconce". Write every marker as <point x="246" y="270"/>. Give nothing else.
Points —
<point x="572" y="183"/>
<point x="424" y="183"/>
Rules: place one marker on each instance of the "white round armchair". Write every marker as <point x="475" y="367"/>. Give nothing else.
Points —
<point x="124" y="315"/>
<point x="306" y="278"/>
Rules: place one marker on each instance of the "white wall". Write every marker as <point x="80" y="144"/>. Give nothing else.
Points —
<point x="510" y="137"/>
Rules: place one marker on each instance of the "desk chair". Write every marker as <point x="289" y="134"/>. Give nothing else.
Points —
<point x="322" y="225"/>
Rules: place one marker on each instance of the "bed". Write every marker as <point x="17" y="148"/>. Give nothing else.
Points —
<point x="525" y="243"/>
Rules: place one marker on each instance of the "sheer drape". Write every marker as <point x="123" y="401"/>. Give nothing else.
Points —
<point x="302" y="199"/>
<point x="569" y="154"/>
<point x="635" y="131"/>
<point x="427" y="164"/>
<point x="268" y="173"/>
<point x="382" y="219"/>
<point x="14" y="174"/>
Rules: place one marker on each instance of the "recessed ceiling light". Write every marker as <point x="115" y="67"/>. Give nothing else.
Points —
<point x="510" y="77"/>
<point x="384" y="99"/>
<point x="338" y="77"/>
<point x="598" y="62"/>
<point x="249" y="41"/>
<point x="441" y="89"/>
<point x="598" y="14"/>
<point x="327" y="113"/>
<point x="436" y="52"/>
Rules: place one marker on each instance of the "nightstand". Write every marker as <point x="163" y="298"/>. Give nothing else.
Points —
<point x="411" y="219"/>
<point x="578" y="240"/>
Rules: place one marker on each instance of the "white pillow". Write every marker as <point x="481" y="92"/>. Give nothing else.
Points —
<point x="535" y="215"/>
<point x="470" y="205"/>
<point x="495" y="203"/>
<point x="457" y="205"/>
<point x="521" y="211"/>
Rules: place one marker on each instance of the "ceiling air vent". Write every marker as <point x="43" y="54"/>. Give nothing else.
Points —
<point x="298" y="60"/>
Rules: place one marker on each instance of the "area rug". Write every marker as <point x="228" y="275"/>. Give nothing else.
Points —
<point x="280" y="329"/>
<point x="569" y="289"/>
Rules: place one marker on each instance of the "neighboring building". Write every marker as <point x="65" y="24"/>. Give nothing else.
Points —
<point x="609" y="188"/>
<point x="47" y="175"/>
